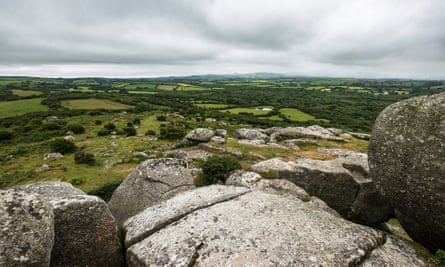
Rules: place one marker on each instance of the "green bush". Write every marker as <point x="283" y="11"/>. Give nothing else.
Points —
<point x="106" y="191"/>
<point x="62" y="146"/>
<point x="161" y="118"/>
<point x="5" y="135"/>
<point x="216" y="168"/>
<point x="441" y="255"/>
<point x="171" y="132"/>
<point x="110" y="126"/>
<point x="98" y="122"/>
<point x="82" y="157"/>
<point x="76" y="128"/>
<point x="130" y="131"/>
<point x="103" y="132"/>
<point x="150" y="132"/>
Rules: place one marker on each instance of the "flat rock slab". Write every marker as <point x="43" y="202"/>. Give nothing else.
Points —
<point x="154" y="218"/>
<point x="26" y="229"/>
<point x="257" y="229"/>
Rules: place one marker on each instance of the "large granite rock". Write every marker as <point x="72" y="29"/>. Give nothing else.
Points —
<point x="343" y="183"/>
<point x="250" y="134"/>
<point x="26" y="229"/>
<point x="407" y="161"/>
<point x="86" y="233"/>
<point x="152" y="181"/>
<point x="314" y="131"/>
<point x="200" y="134"/>
<point x="229" y="226"/>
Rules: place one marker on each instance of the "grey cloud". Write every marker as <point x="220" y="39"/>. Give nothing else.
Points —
<point x="224" y="36"/>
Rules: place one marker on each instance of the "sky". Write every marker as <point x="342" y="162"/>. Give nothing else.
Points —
<point x="150" y="38"/>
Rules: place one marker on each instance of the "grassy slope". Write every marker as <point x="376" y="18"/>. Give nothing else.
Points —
<point x="94" y="104"/>
<point x="20" y="107"/>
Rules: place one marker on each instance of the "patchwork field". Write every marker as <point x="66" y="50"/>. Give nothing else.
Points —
<point x="93" y="103"/>
<point x="25" y="93"/>
<point x="207" y="105"/>
<point x="296" y="115"/>
<point x="20" y="107"/>
<point x="263" y="110"/>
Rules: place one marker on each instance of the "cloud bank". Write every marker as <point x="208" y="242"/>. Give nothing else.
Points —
<point x="138" y="38"/>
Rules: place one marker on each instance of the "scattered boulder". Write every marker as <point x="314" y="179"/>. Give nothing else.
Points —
<point x="314" y="131"/>
<point x="140" y="154"/>
<point x="51" y="156"/>
<point x="218" y="140"/>
<point x="152" y="181"/>
<point x="274" y="166"/>
<point x="26" y="229"/>
<point x="42" y="168"/>
<point x="250" y="134"/>
<point x="232" y="226"/>
<point x="407" y="162"/>
<point x="243" y="178"/>
<point x="81" y="222"/>
<point x="200" y="134"/>
<point x="69" y="138"/>
<point x="221" y="133"/>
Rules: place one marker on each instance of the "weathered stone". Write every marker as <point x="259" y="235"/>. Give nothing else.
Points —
<point x="200" y="134"/>
<point x="394" y="252"/>
<point x="252" y="229"/>
<point x="218" y="140"/>
<point x="311" y="131"/>
<point x="69" y="138"/>
<point x="153" y="180"/>
<point x="344" y="184"/>
<point x="250" y="134"/>
<point x="221" y="133"/>
<point x="50" y="156"/>
<point x="86" y="233"/>
<point x="272" y="165"/>
<point x="407" y="161"/>
<point x="243" y="178"/>
<point x="26" y="229"/>
<point x="156" y="217"/>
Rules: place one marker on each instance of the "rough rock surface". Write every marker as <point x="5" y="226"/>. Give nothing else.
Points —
<point x="26" y="229"/>
<point x="314" y="131"/>
<point x="200" y="134"/>
<point x="343" y="183"/>
<point x="221" y="133"/>
<point x="272" y="165"/>
<point x="407" y="162"/>
<point x="50" y="156"/>
<point x="153" y="181"/>
<point x="86" y="233"/>
<point x="252" y="229"/>
<point x="250" y="134"/>
<point x="243" y="178"/>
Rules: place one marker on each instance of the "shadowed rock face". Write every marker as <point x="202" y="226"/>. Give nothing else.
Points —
<point x="153" y="181"/>
<point x="233" y="226"/>
<point x="86" y="233"/>
<point x="200" y="134"/>
<point x="407" y="162"/>
<point x="26" y="229"/>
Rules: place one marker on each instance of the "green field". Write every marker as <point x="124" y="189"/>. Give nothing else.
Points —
<point x="93" y="103"/>
<point x="20" y="107"/>
<point x="134" y="86"/>
<point x="294" y="114"/>
<point x="253" y="110"/>
<point x="209" y="105"/>
<point x="143" y="92"/>
<point x="166" y="87"/>
<point x="25" y="93"/>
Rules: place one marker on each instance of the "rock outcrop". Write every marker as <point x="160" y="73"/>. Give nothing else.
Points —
<point x="153" y="180"/>
<point x="86" y="233"/>
<point x="250" y="134"/>
<point x="343" y="183"/>
<point x="407" y="162"/>
<point x="200" y="134"/>
<point x="233" y="226"/>
<point x="26" y="229"/>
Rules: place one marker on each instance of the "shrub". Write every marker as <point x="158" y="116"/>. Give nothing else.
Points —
<point x="171" y="132"/>
<point x="103" y="132"/>
<point x="110" y="126"/>
<point x="150" y="132"/>
<point x="106" y="191"/>
<point x="216" y="168"/>
<point x="82" y="157"/>
<point x="130" y="131"/>
<point x="137" y="121"/>
<point x="5" y="135"/>
<point x="98" y="122"/>
<point x="62" y="146"/>
<point x="51" y="125"/>
<point x="441" y="255"/>
<point x="161" y="118"/>
<point x="76" y="128"/>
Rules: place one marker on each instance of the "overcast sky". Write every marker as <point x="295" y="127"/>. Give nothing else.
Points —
<point x="146" y="38"/>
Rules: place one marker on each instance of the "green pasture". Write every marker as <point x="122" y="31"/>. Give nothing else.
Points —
<point x="20" y="107"/>
<point x="210" y="105"/>
<point x="294" y="114"/>
<point x="25" y="93"/>
<point x="93" y="103"/>
<point x="254" y="110"/>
